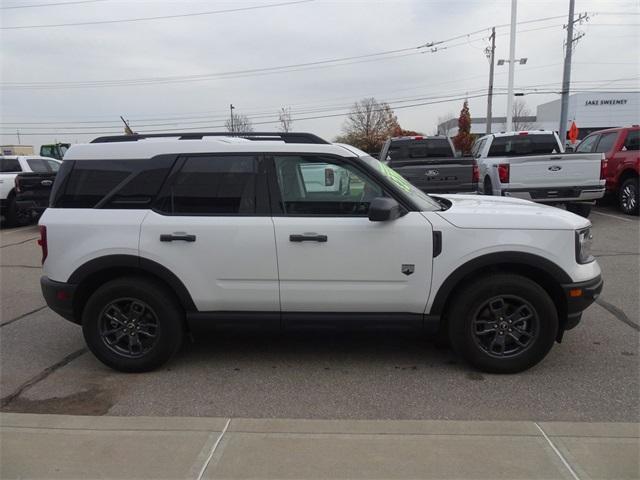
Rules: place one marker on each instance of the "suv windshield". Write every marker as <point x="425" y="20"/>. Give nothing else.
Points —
<point x="421" y="199"/>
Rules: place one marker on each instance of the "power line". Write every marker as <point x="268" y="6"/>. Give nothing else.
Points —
<point x="161" y="17"/>
<point x="77" y="2"/>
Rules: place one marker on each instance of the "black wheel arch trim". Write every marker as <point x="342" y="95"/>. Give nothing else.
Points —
<point x="519" y="259"/>
<point x="140" y="264"/>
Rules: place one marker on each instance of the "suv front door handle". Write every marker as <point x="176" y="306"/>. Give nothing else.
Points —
<point x="308" y="237"/>
<point x="168" y="237"/>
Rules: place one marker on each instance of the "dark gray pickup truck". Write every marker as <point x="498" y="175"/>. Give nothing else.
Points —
<point x="430" y="163"/>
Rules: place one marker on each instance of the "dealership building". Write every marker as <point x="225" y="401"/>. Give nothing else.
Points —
<point x="591" y="111"/>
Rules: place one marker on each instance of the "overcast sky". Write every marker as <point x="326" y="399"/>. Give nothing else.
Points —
<point x="287" y="34"/>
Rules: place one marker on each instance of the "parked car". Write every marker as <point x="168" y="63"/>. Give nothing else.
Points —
<point x="146" y="238"/>
<point x="18" y="210"/>
<point x="531" y="165"/>
<point x="622" y="152"/>
<point x="431" y="164"/>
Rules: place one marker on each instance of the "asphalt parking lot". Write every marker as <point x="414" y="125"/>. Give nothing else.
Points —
<point x="592" y="376"/>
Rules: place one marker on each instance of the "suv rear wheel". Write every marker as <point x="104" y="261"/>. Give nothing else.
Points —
<point x="133" y="324"/>
<point x="503" y="323"/>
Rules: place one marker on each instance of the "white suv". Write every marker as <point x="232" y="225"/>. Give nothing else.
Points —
<point x="149" y="236"/>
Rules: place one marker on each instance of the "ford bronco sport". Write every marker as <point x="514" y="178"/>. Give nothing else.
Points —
<point x="149" y="235"/>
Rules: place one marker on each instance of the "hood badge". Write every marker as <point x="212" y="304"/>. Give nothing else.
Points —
<point x="408" y="268"/>
<point x="555" y="168"/>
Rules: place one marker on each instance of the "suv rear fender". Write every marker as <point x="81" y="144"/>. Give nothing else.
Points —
<point x="545" y="273"/>
<point x="96" y="272"/>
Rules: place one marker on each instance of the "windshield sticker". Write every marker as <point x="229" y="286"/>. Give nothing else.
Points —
<point x="395" y="177"/>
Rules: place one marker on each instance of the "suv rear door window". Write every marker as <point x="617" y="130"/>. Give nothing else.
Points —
<point x="213" y="185"/>
<point x="516" y="145"/>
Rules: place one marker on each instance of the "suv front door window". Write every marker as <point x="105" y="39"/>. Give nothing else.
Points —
<point x="331" y="257"/>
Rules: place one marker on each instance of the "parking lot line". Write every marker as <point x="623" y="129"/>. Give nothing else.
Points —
<point x="564" y="461"/>
<point x="213" y="450"/>
<point x="613" y="216"/>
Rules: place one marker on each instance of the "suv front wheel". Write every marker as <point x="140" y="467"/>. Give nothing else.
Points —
<point x="133" y="324"/>
<point x="503" y="323"/>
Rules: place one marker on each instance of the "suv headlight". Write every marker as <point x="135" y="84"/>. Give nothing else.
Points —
<point x="584" y="239"/>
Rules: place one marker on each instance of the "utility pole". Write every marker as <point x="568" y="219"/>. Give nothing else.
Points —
<point x="491" y="54"/>
<point x="566" y="74"/>
<point x="18" y="133"/>
<point x="231" y="107"/>
<point x="566" y="78"/>
<point x="512" y="66"/>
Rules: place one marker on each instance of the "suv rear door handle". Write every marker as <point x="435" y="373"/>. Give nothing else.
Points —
<point x="168" y="237"/>
<point x="308" y="237"/>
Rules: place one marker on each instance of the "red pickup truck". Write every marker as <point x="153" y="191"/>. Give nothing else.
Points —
<point x="621" y="147"/>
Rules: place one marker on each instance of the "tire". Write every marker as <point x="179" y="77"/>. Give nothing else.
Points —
<point x="628" y="196"/>
<point x="487" y="189"/>
<point x="114" y="332"/>
<point x="479" y="307"/>
<point x="582" y="209"/>
<point x="14" y="217"/>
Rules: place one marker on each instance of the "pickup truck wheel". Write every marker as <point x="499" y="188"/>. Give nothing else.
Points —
<point x="14" y="216"/>
<point x="133" y="324"/>
<point x="628" y="196"/>
<point x="503" y="323"/>
<point x="582" y="209"/>
<point x="488" y="189"/>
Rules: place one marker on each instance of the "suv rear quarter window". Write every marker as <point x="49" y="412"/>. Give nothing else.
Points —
<point x="632" y="142"/>
<point x="110" y="183"/>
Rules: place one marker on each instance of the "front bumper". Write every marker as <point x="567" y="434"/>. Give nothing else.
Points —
<point x="579" y="296"/>
<point x="59" y="297"/>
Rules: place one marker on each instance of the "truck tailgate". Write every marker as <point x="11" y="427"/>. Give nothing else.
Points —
<point x="439" y="175"/>
<point x="562" y="170"/>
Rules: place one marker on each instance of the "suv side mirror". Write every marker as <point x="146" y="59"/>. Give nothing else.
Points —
<point x="382" y="209"/>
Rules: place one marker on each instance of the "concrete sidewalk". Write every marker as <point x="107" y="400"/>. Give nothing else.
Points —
<point x="59" y="446"/>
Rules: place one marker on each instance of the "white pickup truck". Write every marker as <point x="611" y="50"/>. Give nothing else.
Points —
<point x="10" y="167"/>
<point x="532" y="165"/>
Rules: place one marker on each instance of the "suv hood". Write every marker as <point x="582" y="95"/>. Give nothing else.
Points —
<point x="480" y="211"/>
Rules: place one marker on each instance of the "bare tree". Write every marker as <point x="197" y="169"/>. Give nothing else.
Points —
<point x="368" y="125"/>
<point x="520" y="111"/>
<point x="238" y="123"/>
<point x="284" y="117"/>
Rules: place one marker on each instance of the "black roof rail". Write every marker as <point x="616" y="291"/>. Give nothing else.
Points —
<point x="288" y="137"/>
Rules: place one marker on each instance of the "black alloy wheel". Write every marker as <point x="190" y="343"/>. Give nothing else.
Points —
<point x="129" y="327"/>
<point x="505" y="326"/>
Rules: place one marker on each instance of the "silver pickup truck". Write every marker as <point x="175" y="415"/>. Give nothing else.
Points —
<point x="532" y="165"/>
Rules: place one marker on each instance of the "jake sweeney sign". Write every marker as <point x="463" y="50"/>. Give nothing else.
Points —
<point x="612" y="101"/>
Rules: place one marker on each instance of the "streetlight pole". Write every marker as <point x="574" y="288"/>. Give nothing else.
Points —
<point x="231" y="107"/>
<point x="490" y="93"/>
<point x="512" y="54"/>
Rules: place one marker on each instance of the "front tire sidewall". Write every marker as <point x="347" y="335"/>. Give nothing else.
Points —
<point x="169" y="316"/>
<point x="471" y="299"/>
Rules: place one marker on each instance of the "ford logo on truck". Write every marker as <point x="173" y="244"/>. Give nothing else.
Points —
<point x="555" y="168"/>
<point x="431" y="173"/>
<point x="46" y="183"/>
